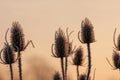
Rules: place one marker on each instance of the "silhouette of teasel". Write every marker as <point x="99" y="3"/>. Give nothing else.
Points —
<point x="62" y="48"/>
<point x="83" y="77"/>
<point x="57" y="76"/>
<point x="78" y="59"/>
<point x="116" y="54"/>
<point x="116" y="60"/>
<point x="18" y="41"/>
<point x="87" y="37"/>
<point x="87" y="32"/>
<point x="7" y="55"/>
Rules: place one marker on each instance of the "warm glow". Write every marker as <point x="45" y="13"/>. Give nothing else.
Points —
<point x="41" y="18"/>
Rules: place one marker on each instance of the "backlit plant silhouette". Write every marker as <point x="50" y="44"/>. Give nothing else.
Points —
<point x="116" y="54"/>
<point x="62" y="48"/>
<point x="18" y="43"/>
<point x="7" y="55"/>
<point x="57" y="76"/>
<point x="116" y="60"/>
<point x="87" y="37"/>
<point x="78" y="59"/>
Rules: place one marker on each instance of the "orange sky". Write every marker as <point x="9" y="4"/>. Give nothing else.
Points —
<point x="41" y="18"/>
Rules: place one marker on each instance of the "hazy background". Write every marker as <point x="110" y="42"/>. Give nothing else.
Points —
<point x="41" y="18"/>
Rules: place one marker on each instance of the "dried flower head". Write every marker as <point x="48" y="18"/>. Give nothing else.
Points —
<point x="17" y="37"/>
<point x="57" y="76"/>
<point x="78" y="57"/>
<point x="87" y="34"/>
<point x="117" y="46"/>
<point x="83" y="76"/>
<point x="60" y="41"/>
<point x="116" y="60"/>
<point x="8" y="55"/>
<point x="62" y="46"/>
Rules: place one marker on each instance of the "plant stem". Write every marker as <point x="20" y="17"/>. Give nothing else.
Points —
<point x="62" y="67"/>
<point x="66" y="67"/>
<point x="11" y="71"/>
<point x="89" y="61"/>
<point x="77" y="69"/>
<point x="20" y="66"/>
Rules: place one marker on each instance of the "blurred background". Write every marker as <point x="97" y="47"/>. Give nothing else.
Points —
<point x="41" y="18"/>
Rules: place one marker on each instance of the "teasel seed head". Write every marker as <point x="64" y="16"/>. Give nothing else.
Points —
<point x="116" y="59"/>
<point x="87" y="34"/>
<point x="62" y="46"/>
<point x="8" y="54"/>
<point x="17" y="37"/>
<point x="83" y="77"/>
<point x="60" y="42"/>
<point x="78" y="57"/>
<point x="57" y="76"/>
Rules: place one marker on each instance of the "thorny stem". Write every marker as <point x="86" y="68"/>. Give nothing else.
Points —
<point x="11" y="71"/>
<point x="66" y="67"/>
<point x="62" y="67"/>
<point x="77" y="69"/>
<point x="89" y="61"/>
<point x="20" y="66"/>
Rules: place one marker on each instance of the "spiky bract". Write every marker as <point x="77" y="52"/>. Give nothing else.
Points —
<point x="118" y="42"/>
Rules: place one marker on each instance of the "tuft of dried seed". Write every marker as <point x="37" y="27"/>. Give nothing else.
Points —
<point x="8" y="54"/>
<point x="60" y="43"/>
<point x="116" y="59"/>
<point x="57" y="76"/>
<point x="17" y="37"/>
<point x="87" y="31"/>
<point x="83" y="77"/>
<point x="78" y="57"/>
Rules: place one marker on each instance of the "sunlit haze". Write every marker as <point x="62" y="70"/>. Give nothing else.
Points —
<point x="41" y="18"/>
